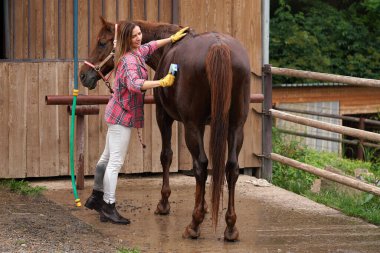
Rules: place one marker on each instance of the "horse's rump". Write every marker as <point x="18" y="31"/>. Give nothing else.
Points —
<point x="191" y="91"/>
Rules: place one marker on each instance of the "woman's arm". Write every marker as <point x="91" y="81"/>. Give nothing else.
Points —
<point x="163" y="42"/>
<point x="150" y="84"/>
<point x="168" y="80"/>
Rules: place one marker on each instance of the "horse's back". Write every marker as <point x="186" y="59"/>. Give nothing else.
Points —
<point x="191" y="91"/>
<point x="196" y="47"/>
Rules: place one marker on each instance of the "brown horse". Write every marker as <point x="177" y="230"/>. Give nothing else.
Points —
<point x="212" y="87"/>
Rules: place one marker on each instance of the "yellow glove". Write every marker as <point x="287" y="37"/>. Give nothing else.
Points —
<point x="179" y="35"/>
<point x="168" y="80"/>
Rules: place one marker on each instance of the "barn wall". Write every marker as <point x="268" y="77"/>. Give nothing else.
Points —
<point x="34" y="137"/>
<point x="331" y="107"/>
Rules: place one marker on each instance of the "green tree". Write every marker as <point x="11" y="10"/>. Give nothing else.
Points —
<point x="324" y="36"/>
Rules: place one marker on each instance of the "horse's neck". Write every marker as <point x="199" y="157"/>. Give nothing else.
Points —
<point x="156" y="31"/>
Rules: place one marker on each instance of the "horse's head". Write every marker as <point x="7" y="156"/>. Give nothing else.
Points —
<point x="89" y="75"/>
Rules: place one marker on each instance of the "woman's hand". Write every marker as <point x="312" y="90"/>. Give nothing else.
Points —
<point x="179" y="35"/>
<point x="168" y="80"/>
<point x="175" y="37"/>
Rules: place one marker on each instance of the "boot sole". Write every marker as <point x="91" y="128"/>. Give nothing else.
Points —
<point x="104" y="219"/>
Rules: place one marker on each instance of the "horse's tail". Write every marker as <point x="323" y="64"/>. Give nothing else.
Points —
<point x="219" y="73"/>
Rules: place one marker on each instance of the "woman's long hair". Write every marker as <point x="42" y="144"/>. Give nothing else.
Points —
<point x="124" y="40"/>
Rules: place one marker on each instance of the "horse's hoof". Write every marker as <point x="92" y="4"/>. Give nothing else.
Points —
<point x="191" y="233"/>
<point x="231" y="235"/>
<point x="162" y="210"/>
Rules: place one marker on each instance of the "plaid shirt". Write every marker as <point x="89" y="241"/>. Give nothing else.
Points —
<point x="126" y="106"/>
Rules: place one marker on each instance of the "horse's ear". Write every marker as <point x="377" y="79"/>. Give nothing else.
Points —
<point x="108" y="25"/>
<point x="104" y="22"/>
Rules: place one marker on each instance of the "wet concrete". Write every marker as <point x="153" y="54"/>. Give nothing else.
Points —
<point x="270" y="219"/>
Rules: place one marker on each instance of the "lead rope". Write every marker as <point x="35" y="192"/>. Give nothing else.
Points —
<point x="140" y="138"/>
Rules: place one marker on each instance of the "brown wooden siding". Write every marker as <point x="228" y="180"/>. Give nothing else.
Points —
<point x="43" y="29"/>
<point x="352" y="99"/>
<point x="34" y="137"/>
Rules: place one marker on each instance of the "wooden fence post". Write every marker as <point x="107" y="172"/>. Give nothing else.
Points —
<point x="360" y="150"/>
<point x="266" y="171"/>
<point x="80" y="151"/>
<point x="80" y="112"/>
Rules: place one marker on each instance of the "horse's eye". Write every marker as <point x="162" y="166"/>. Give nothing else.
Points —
<point x="102" y="43"/>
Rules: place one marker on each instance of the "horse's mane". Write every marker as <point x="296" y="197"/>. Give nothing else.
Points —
<point x="158" y="30"/>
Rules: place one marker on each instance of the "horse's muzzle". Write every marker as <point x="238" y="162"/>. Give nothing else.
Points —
<point x="89" y="80"/>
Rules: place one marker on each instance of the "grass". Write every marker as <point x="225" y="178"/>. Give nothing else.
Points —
<point x="22" y="187"/>
<point x="363" y="205"/>
<point x="20" y="242"/>
<point x="128" y="250"/>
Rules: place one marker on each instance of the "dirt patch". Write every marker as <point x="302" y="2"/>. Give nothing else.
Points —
<point x="35" y="224"/>
<point x="270" y="219"/>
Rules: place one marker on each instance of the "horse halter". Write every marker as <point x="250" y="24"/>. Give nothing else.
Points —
<point x="100" y="65"/>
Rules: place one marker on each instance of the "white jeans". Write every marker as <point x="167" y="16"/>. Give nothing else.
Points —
<point x="111" y="161"/>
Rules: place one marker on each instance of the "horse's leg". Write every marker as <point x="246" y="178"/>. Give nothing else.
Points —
<point x="194" y="141"/>
<point x="235" y="141"/>
<point x="165" y="123"/>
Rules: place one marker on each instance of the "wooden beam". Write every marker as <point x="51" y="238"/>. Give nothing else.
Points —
<point x="361" y="134"/>
<point x="326" y="77"/>
<point x="354" y="183"/>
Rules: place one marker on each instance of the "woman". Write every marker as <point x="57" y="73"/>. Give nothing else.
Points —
<point x="124" y="111"/>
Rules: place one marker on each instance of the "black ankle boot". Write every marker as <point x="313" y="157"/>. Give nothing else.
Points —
<point x="94" y="202"/>
<point x="109" y="213"/>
